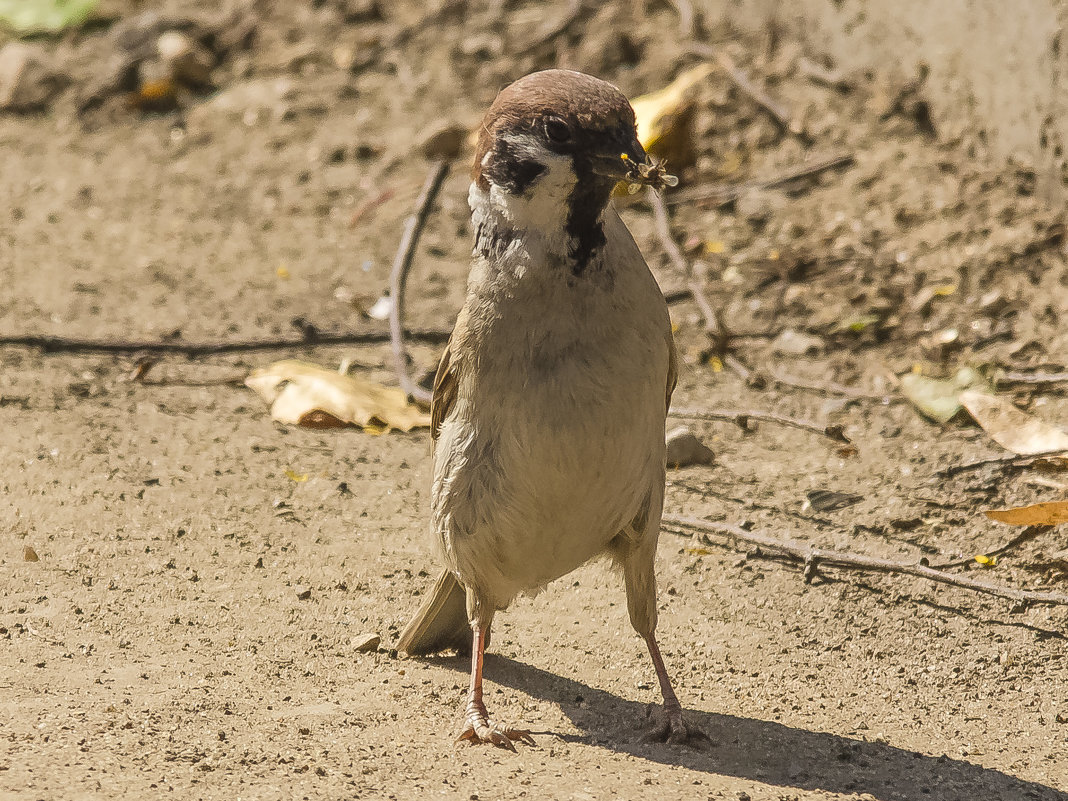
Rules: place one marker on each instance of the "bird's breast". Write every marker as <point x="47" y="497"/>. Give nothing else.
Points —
<point x="558" y="431"/>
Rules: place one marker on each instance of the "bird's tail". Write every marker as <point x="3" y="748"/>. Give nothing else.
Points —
<point x="441" y="622"/>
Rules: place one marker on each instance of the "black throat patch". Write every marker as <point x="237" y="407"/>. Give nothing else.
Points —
<point x="586" y="202"/>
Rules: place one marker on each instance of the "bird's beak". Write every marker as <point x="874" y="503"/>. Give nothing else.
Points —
<point x="618" y="164"/>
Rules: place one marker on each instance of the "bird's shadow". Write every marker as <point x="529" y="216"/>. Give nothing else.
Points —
<point x="761" y="750"/>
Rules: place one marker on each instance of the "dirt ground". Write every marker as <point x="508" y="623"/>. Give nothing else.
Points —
<point x="189" y="629"/>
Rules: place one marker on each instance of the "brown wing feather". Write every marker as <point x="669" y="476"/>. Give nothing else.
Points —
<point x="445" y="387"/>
<point x="673" y="369"/>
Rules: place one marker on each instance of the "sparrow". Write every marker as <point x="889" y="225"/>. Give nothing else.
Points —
<point x="549" y="402"/>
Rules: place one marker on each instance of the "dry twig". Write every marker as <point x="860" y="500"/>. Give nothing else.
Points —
<point x="742" y="418"/>
<point x="369" y="205"/>
<point x="1028" y="534"/>
<point x="827" y="387"/>
<point x="687" y="18"/>
<point x="1032" y="378"/>
<point x="813" y="558"/>
<point x="777" y="110"/>
<point x="723" y="194"/>
<point x="49" y="344"/>
<point x="751" y="377"/>
<point x="712" y="319"/>
<point x="999" y="461"/>
<point x="398" y="277"/>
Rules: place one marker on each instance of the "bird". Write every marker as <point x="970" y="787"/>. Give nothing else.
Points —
<point x="550" y="399"/>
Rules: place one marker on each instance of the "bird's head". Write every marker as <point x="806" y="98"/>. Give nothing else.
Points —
<point x="556" y="119"/>
<point x="552" y="147"/>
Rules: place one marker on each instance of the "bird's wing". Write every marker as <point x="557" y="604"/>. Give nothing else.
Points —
<point x="673" y="368"/>
<point x="446" y="384"/>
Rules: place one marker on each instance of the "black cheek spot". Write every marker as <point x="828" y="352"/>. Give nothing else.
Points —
<point x="508" y="171"/>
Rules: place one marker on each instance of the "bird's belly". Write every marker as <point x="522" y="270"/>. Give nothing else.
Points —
<point x="549" y="474"/>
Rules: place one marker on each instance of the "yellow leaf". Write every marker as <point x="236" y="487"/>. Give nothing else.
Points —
<point x="300" y="478"/>
<point x="665" y="117"/>
<point x="1051" y="513"/>
<point x="714" y="247"/>
<point x="301" y="393"/>
<point x="945" y="289"/>
<point x="282" y="272"/>
<point x="699" y="551"/>
<point x="716" y="364"/>
<point x="986" y="561"/>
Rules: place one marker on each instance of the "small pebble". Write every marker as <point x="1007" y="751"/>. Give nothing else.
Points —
<point x="685" y="449"/>
<point x="303" y="593"/>
<point x="366" y="643"/>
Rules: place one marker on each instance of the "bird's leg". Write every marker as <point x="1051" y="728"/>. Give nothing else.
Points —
<point x="479" y="728"/>
<point x="672" y="728"/>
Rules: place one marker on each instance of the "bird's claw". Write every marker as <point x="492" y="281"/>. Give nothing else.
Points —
<point x="480" y="730"/>
<point x="669" y="726"/>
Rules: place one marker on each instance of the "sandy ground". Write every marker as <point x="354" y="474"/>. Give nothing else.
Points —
<point x="189" y="628"/>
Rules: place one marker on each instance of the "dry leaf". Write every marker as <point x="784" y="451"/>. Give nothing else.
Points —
<point x="1011" y="428"/>
<point x="1051" y="513"/>
<point x="301" y="393"/>
<point x="986" y="561"/>
<point x="665" y="118"/>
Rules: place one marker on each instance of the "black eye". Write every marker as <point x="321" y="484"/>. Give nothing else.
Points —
<point x="557" y="130"/>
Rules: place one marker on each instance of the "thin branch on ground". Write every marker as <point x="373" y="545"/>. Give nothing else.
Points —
<point x="814" y="558"/>
<point x="1000" y="462"/>
<point x="235" y="381"/>
<point x="751" y="378"/>
<point x="713" y="324"/>
<point x="1028" y="534"/>
<point x="50" y="344"/>
<point x="662" y="226"/>
<point x="728" y="193"/>
<point x="687" y="18"/>
<point x="398" y="277"/>
<point x="776" y="109"/>
<point x="742" y="418"/>
<point x="826" y="387"/>
<point x="369" y="205"/>
<point x="1032" y="378"/>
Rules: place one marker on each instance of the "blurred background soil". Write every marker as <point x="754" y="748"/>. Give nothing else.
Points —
<point x="205" y="576"/>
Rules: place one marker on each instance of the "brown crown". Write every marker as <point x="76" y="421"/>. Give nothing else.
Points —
<point x="594" y="109"/>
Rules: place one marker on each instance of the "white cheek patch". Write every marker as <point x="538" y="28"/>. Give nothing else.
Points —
<point x="544" y="205"/>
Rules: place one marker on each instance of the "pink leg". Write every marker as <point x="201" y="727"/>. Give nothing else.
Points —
<point x="673" y="728"/>
<point x="479" y="728"/>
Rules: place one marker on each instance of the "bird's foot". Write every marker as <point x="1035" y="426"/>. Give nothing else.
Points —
<point x="481" y="730"/>
<point x="669" y="726"/>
